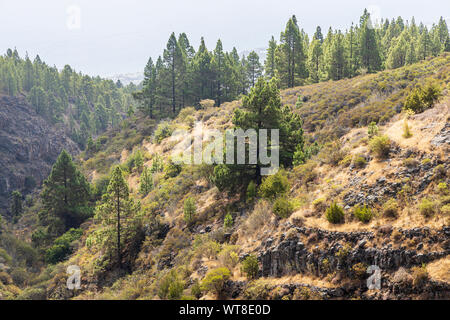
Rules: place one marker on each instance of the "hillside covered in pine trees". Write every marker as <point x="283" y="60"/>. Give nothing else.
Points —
<point x="363" y="118"/>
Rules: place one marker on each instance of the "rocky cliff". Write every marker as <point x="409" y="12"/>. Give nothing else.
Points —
<point x="29" y="145"/>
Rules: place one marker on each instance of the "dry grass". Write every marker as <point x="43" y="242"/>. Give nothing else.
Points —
<point x="440" y="269"/>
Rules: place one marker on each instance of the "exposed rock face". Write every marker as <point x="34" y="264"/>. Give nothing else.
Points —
<point x="291" y="255"/>
<point x="29" y="145"/>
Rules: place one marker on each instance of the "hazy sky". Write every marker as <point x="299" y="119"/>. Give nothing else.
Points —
<point x="107" y="37"/>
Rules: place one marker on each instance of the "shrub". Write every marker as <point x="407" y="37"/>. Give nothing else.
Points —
<point x="440" y="172"/>
<point x="207" y="103"/>
<point x="335" y="213"/>
<point x="19" y="276"/>
<point x="421" y="98"/>
<point x="426" y="208"/>
<point x="157" y="164"/>
<point x="190" y="208"/>
<point x="363" y="214"/>
<point x="228" y="221"/>
<point x="5" y="278"/>
<point x="215" y="279"/>
<point x="372" y="130"/>
<point x="420" y="275"/>
<point x="390" y="208"/>
<point x="175" y="290"/>
<point x="196" y="290"/>
<point x="359" y="161"/>
<point x="282" y="207"/>
<point x="410" y="162"/>
<point x="228" y="256"/>
<point x="406" y="130"/>
<point x="274" y="185"/>
<point x="172" y="169"/>
<point x="442" y="188"/>
<point x="250" y="266"/>
<point x="163" y="131"/>
<point x="165" y="284"/>
<point x="251" y="192"/>
<point x="380" y="146"/>
<point x="359" y="270"/>
<point x="61" y="247"/>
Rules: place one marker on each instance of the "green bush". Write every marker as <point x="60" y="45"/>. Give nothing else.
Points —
<point x="228" y="221"/>
<point x="390" y="208"/>
<point x="422" y="98"/>
<point x="335" y="213"/>
<point x="163" y="131"/>
<point x="359" y="161"/>
<point x="196" y="290"/>
<point x="250" y="266"/>
<point x="61" y="247"/>
<point x="251" y="192"/>
<point x="190" y="209"/>
<point x="380" y="146"/>
<point x="372" y="130"/>
<point x="282" y="207"/>
<point x="427" y="208"/>
<point x="215" y="279"/>
<point x="363" y="214"/>
<point x="274" y="186"/>
<point x="442" y="188"/>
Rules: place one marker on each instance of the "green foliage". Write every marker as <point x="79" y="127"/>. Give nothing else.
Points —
<point x="146" y="182"/>
<point x="164" y="130"/>
<point x="372" y="130"/>
<point x="16" y="204"/>
<point x="157" y="164"/>
<point x="363" y="214"/>
<point x="136" y="160"/>
<point x="190" y="209"/>
<point x="250" y="266"/>
<point x="422" y="98"/>
<point x="334" y="214"/>
<point x="170" y="286"/>
<point x="427" y="208"/>
<point x="283" y="207"/>
<point x="65" y="196"/>
<point x="61" y="247"/>
<point x="84" y="105"/>
<point x="196" y="290"/>
<point x="228" y="221"/>
<point x="251" y="192"/>
<point x="274" y="186"/>
<point x="172" y="169"/>
<point x="215" y="279"/>
<point x="380" y="146"/>
<point x="119" y="215"/>
<point x="406" y="130"/>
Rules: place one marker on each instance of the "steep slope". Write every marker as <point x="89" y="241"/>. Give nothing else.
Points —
<point x="303" y="256"/>
<point x="29" y="146"/>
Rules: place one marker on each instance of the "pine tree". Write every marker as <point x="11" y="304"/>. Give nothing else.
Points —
<point x="118" y="213"/>
<point x="173" y="61"/>
<point x="146" y="181"/>
<point x="270" y="66"/>
<point x="315" y="57"/>
<point x="16" y="204"/>
<point x="65" y="195"/>
<point x="254" y="68"/>
<point x="369" y="50"/>
<point x="218" y="64"/>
